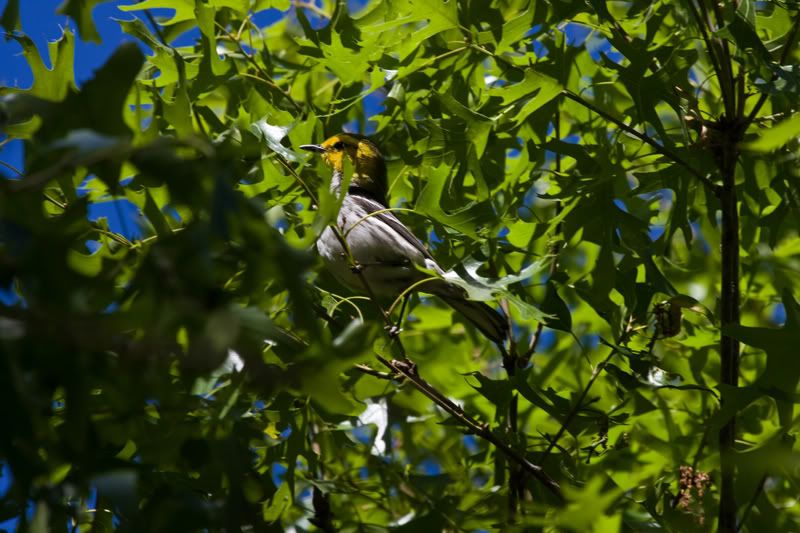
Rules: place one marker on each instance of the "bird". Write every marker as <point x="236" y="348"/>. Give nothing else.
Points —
<point x="386" y="255"/>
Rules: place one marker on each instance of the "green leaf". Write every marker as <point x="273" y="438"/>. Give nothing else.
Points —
<point x="515" y="29"/>
<point x="465" y="219"/>
<point x="205" y="21"/>
<point x="184" y="9"/>
<point x="742" y="32"/>
<point x="554" y="306"/>
<point x="345" y="63"/>
<point x="155" y="216"/>
<point x="781" y="376"/>
<point x="498" y="392"/>
<point x="535" y="84"/>
<point x="272" y="135"/>
<point x="775" y="137"/>
<point x="10" y="18"/>
<point x="275" y="507"/>
<point x="282" y="5"/>
<point x="440" y="15"/>
<point x="479" y="287"/>
<point x="50" y="84"/>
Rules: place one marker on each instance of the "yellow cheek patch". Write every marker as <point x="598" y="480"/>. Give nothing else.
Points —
<point x="334" y="160"/>
<point x="365" y="151"/>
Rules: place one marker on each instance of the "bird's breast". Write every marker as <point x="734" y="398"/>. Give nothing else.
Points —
<point x="383" y="257"/>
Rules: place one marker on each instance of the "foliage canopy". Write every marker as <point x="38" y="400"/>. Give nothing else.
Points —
<point x="577" y="162"/>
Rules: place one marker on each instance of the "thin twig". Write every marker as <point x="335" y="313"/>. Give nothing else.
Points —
<point x="199" y="121"/>
<point x="321" y="501"/>
<point x="366" y="369"/>
<point x="699" y="452"/>
<point x="244" y="23"/>
<point x="579" y="402"/>
<point x="147" y="240"/>
<point x="327" y="317"/>
<point x="727" y="155"/>
<point x="359" y="271"/>
<point x="654" y="65"/>
<point x="516" y="489"/>
<point x="11" y="167"/>
<point x="69" y="161"/>
<point x="750" y="504"/>
<point x="695" y="461"/>
<point x="297" y="178"/>
<point x="156" y="27"/>
<point x="555" y="248"/>
<point x="250" y="59"/>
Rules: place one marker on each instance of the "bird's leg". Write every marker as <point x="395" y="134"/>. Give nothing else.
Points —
<point x="395" y="330"/>
<point x="356" y="268"/>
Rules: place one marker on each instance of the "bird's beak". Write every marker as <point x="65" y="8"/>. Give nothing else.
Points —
<point x="313" y="148"/>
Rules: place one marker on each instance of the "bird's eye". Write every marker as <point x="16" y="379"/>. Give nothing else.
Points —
<point x="338" y="146"/>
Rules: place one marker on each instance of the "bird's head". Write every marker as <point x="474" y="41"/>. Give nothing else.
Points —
<point x="369" y="167"/>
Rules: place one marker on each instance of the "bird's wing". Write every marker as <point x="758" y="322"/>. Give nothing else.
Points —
<point x="388" y="218"/>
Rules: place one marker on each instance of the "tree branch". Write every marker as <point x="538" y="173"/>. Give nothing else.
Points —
<point x="729" y="346"/>
<point x="408" y="371"/>
<point x="516" y="482"/>
<point x="663" y="150"/>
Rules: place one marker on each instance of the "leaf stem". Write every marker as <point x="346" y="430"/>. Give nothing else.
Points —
<point x="297" y="178"/>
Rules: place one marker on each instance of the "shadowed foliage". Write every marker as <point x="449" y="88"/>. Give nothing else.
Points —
<point x="620" y="177"/>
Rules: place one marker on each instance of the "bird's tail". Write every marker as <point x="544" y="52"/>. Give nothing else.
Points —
<point x="490" y="322"/>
